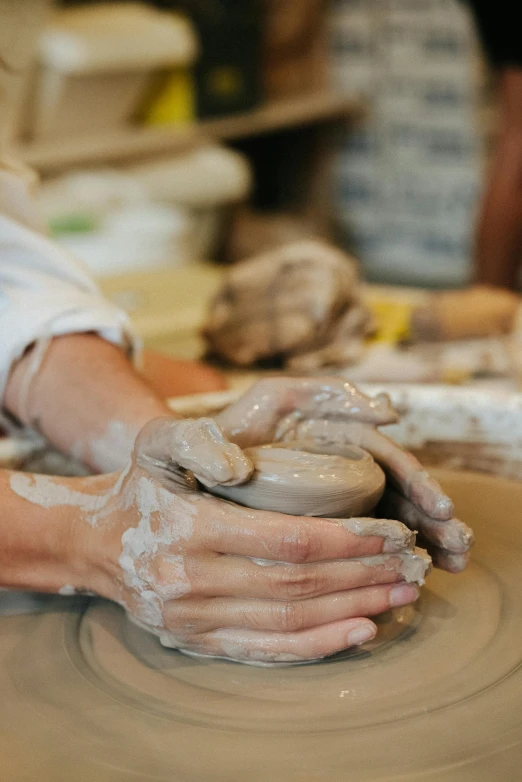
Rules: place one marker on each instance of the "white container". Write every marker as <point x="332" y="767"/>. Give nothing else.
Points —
<point x="206" y="182"/>
<point x="96" y="212"/>
<point x="140" y="237"/>
<point x="96" y="63"/>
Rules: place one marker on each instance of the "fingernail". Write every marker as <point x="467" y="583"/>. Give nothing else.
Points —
<point x="402" y="594"/>
<point x="359" y="635"/>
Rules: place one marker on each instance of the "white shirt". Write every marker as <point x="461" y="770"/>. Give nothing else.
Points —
<point x="44" y="292"/>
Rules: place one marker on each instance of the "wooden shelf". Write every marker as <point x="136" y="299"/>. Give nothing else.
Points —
<point x="136" y="142"/>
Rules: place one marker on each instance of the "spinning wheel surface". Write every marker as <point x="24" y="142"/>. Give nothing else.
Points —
<point x="437" y="695"/>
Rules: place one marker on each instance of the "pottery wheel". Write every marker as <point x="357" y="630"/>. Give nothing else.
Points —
<point x="86" y="695"/>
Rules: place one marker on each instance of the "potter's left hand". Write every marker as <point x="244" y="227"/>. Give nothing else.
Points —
<point x="331" y="413"/>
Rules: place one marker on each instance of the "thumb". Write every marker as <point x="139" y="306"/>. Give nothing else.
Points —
<point x="171" y="447"/>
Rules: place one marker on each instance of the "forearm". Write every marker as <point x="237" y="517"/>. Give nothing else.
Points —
<point x="499" y="233"/>
<point x="86" y="398"/>
<point x="43" y="548"/>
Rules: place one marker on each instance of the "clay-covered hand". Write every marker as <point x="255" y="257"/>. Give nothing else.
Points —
<point x="330" y="414"/>
<point x="191" y="568"/>
<point x="275" y="406"/>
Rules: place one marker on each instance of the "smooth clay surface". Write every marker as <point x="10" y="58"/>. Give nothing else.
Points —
<point x="437" y="695"/>
<point x="289" y="480"/>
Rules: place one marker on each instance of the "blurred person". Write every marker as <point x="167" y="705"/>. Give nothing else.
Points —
<point x="183" y="564"/>
<point x="498" y="243"/>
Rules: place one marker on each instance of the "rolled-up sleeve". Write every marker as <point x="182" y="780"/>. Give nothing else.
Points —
<point x="44" y="292"/>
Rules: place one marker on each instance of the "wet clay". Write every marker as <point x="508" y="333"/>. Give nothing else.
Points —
<point x="158" y="526"/>
<point x="413" y="565"/>
<point x="300" y="303"/>
<point x="197" y="446"/>
<point x="289" y="480"/>
<point x="436" y="696"/>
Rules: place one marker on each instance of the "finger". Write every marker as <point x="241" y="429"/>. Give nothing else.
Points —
<point x="453" y="535"/>
<point x="446" y="560"/>
<point x="336" y="399"/>
<point x="409" y="474"/>
<point x="233" y="529"/>
<point x="256" y="416"/>
<point x="243" y="578"/>
<point x="265" y="647"/>
<point x="404" y="469"/>
<point x="286" y="616"/>
<point x="197" y="445"/>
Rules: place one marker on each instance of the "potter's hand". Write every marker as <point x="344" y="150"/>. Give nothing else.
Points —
<point x="330" y="414"/>
<point x="448" y="541"/>
<point x="411" y="495"/>
<point x="275" y="406"/>
<point x="183" y="565"/>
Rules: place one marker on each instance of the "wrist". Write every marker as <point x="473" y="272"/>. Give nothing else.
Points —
<point x="94" y="545"/>
<point x="86" y="398"/>
<point x="36" y="551"/>
<point x="95" y="542"/>
<point x="45" y="540"/>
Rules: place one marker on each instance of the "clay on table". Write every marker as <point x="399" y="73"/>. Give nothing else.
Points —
<point x="300" y="303"/>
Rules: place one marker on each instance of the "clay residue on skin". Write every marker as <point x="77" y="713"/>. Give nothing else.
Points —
<point x="456" y="537"/>
<point x="42" y="490"/>
<point x="47" y="492"/>
<point x="289" y="659"/>
<point x="452" y="563"/>
<point x="114" y="446"/>
<point x="259" y="415"/>
<point x="235" y="651"/>
<point x="413" y="566"/>
<point x="287" y="478"/>
<point x="403" y="467"/>
<point x="397" y="537"/>
<point x="177" y="584"/>
<point x="195" y="445"/>
<point x="108" y="451"/>
<point x="293" y="481"/>
<point x="140" y="545"/>
<point x="339" y="402"/>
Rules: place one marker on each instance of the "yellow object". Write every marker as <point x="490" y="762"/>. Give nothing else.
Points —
<point x="393" y="320"/>
<point x="175" y="104"/>
<point x="225" y="81"/>
<point x="453" y="376"/>
<point x="167" y="306"/>
<point x="98" y="62"/>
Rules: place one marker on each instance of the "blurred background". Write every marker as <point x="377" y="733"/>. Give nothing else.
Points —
<point x="180" y="136"/>
<point x="181" y="129"/>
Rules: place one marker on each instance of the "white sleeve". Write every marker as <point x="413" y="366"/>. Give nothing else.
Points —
<point x="44" y="292"/>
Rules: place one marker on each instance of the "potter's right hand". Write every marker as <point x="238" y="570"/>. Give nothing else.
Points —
<point x="183" y="564"/>
<point x="330" y="414"/>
